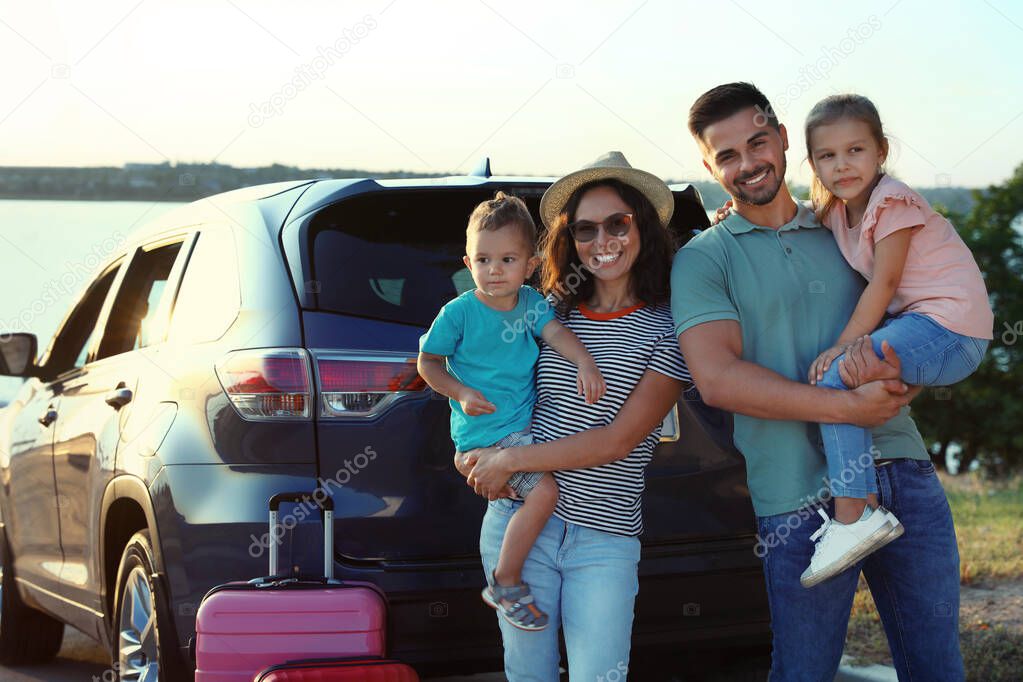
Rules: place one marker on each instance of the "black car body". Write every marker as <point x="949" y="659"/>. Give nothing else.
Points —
<point x="263" y="340"/>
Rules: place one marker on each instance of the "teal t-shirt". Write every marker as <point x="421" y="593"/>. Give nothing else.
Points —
<point x="494" y="352"/>
<point x="792" y="293"/>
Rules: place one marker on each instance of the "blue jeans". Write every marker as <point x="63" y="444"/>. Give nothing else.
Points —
<point x="931" y="356"/>
<point x="914" y="581"/>
<point x="586" y="580"/>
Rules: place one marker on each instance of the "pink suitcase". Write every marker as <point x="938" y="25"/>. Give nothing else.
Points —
<point x="245" y="627"/>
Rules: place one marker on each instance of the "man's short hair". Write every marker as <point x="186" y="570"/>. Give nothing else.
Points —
<point x="726" y="100"/>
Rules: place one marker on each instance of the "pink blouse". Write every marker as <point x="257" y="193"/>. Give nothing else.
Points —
<point x="940" y="279"/>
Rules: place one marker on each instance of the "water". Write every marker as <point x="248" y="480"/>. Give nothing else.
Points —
<point x="50" y="251"/>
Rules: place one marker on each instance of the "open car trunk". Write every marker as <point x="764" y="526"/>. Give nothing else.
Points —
<point x="376" y="267"/>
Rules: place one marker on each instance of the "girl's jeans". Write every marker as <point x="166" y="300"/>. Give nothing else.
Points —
<point x="931" y="356"/>
<point x="586" y="581"/>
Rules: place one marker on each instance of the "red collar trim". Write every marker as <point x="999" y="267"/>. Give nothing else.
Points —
<point x="593" y="315"/>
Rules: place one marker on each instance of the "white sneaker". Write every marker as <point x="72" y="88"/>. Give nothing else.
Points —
<point x="897" y="529"/>
<point x="840" y="545"/>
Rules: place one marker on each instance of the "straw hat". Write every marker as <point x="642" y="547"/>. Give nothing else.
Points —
<point x="610" y="165"/>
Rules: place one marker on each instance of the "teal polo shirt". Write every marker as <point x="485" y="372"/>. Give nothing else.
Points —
<point x="792" y="293"/>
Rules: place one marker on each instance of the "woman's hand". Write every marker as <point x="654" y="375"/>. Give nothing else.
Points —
<point x="464" y="462"/>
<point x="489" y="477"/>
<point x="590" y="382"/>
<point x="722" y="213"/>
<point x="823" y="362"/>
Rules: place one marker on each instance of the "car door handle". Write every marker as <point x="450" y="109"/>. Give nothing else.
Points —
<point x="48" y="417"/>
<point x="119" y="397"/>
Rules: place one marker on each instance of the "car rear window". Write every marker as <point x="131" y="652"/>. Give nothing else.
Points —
<point x="397" y="255"/>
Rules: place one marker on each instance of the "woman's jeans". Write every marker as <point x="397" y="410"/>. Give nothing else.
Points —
<point x="586" y="581"/>
<point x="914" y="582"/>
<point x="931" y="356"/>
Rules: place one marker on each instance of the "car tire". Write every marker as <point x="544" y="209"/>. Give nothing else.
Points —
<point x="143" y="642"/>
<point x="26" y="635"/>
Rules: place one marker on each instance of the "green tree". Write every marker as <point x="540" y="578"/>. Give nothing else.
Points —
<point x="984" y="414"/>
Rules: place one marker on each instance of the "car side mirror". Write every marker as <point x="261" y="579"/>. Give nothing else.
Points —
<point x="18" y="354"/>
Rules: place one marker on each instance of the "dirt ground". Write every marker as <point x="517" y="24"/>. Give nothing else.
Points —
<point x="992" y="605"/>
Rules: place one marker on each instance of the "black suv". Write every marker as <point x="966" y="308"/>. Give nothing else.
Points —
<point x="264" y="340"/>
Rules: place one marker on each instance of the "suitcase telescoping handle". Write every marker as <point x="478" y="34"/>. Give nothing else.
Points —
<point x="327" y="505"/>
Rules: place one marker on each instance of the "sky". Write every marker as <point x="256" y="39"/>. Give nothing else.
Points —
<point x="542" y="88"/>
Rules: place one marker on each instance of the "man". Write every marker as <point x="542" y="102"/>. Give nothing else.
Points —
<point x="755" y="299"/>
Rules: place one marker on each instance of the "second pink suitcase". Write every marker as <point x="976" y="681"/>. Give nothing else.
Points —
<point x="245" y="627"/>
<point x="339" y="670"/>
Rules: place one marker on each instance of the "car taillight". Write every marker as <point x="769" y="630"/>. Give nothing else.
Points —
<point x="362" y="385"/>
<point x="267" y="384"/>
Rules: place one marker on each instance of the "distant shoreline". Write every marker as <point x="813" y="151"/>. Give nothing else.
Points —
<point x="8" y="197"/>
<point x="183" y="183"/>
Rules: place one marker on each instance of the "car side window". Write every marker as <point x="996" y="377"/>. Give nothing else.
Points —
<point x="70" y="347"/>
<point x="463" y="281"/>
<point x="210" y="295"/>
<point x="133" y="317"/>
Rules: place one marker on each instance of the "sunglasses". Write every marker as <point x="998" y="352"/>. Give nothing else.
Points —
<point x="616" y="225"/>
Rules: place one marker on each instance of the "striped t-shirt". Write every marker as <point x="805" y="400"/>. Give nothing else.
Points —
<point x="624" y="345"/>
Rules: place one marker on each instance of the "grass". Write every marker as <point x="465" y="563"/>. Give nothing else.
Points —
<point x="989" y="527"/>
<point x="992" y="655"/>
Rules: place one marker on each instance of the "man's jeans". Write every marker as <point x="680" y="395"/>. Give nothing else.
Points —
<point x="586" y="581"/>
<point x="930" y="355"/>
<point x="914" y="581"/>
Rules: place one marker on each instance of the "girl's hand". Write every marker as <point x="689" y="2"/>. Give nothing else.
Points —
<point x="489" y="477"/>
<point x="590" y="383"/>
<point x="722" y="213"/>
<point x="474" y="404"/>
<point x="823" y="362"/>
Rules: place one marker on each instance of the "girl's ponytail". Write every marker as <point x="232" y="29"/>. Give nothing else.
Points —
<point x="821" y="198"/>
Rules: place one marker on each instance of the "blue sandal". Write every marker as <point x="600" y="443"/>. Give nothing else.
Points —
<point x="515" y="604"/>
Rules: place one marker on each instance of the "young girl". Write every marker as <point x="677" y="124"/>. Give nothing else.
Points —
<point x="921" y="277"/>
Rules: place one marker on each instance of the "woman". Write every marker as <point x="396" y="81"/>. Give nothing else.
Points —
<point x="606" y="263"/>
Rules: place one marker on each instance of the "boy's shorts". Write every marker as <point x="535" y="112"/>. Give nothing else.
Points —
<point x="521" y="482"/>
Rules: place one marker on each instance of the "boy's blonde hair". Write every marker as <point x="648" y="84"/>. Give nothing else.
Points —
<point x="503" y="209"/>
<point x="830" y="110"/>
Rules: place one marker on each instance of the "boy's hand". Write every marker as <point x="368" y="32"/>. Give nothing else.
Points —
<point x="823" y="362"/>
<point x="474" y="404"/>
<point x="590" y="383"/>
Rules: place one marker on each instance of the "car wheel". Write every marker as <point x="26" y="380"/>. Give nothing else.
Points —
<point x="144" y="646"/>
<point x="26" y="635"/>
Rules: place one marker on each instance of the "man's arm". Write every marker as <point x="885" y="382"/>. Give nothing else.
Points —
<point x="713" y="351"/>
